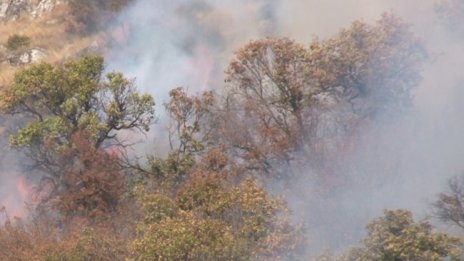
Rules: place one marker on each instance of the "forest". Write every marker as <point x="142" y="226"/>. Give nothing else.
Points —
<point x="260" y="161"/>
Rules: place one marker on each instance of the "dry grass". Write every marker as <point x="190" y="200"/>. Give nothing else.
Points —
<point x="49" y="32"/>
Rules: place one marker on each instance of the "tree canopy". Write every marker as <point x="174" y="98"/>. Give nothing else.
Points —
<point x="449" y="207"/>
<point x="209" y="218"/>
<point x="61" y="100"/>
<point x="289" y="100"/>
<point x="71" y="111"/>
<point x="396" y="236"/>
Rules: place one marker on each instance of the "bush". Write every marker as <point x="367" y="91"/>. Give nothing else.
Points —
<point x="16" y="42"/>
<point x="396" y="236"/>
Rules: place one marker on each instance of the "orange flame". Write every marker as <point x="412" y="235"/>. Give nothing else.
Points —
<point x="14" y="203"/>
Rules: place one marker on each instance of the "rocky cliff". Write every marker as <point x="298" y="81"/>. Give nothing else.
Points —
<point x="11" y="10"/>
<point x="48" y="25"/>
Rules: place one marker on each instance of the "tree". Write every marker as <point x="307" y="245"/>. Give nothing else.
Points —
<point x="63" y="100"/>
<point x="449" y="207"/>
<point x="269" y="92"/>
<point x="92" y="188"/>
<point x="373" y="67"/>
<point x="207" y="217"/>
<point x="289" y="100"/>
<point x="396" y="237"/>
<point x="59" y="102"/>
<point x="189" y="120"/>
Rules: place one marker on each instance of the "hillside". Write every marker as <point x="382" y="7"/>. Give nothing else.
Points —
<point x="56" y="30"/>
<point x="204" y="130"/>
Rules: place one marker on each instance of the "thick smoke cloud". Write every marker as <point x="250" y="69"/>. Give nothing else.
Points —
<point x="173" y="43"/>
<point x="399" y="164"/>
<point x="166" y="44"/>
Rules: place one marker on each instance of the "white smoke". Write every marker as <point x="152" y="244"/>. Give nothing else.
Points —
<point x="170" y="43"/>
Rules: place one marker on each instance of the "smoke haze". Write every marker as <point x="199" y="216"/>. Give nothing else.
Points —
<point x="400" y="164"/>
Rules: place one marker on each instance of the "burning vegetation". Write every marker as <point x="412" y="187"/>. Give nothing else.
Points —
<point x="222" y="189"/>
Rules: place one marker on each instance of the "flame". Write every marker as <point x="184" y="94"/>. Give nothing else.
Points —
<point x="23" y="188"/>
<point x="200" y="67"/>
<point x="14" y="203"/>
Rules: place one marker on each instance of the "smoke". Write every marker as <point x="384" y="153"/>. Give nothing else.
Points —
<point x="15" y="192"/>
<point x="399" y="164"/>
<point x="402" y="163"/>
<point x="166" y="44"/>
<point x="185" y="43"/>
<point x="15" y="188"/>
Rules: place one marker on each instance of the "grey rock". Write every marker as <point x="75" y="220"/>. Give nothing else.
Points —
<point x="33" y="55"/>
<point x="11" y="10"/>
<point x="43" y="7"/>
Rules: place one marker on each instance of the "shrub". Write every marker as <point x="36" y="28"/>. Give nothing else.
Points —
<point x="16" y="42"/>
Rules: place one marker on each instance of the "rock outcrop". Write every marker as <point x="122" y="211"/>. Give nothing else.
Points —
<point x="33" y="55"/>
<point x="43" y="7"/>
<point x="11" y="10"/>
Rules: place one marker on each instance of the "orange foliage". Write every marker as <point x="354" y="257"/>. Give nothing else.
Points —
<point x="92" y="186"/>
